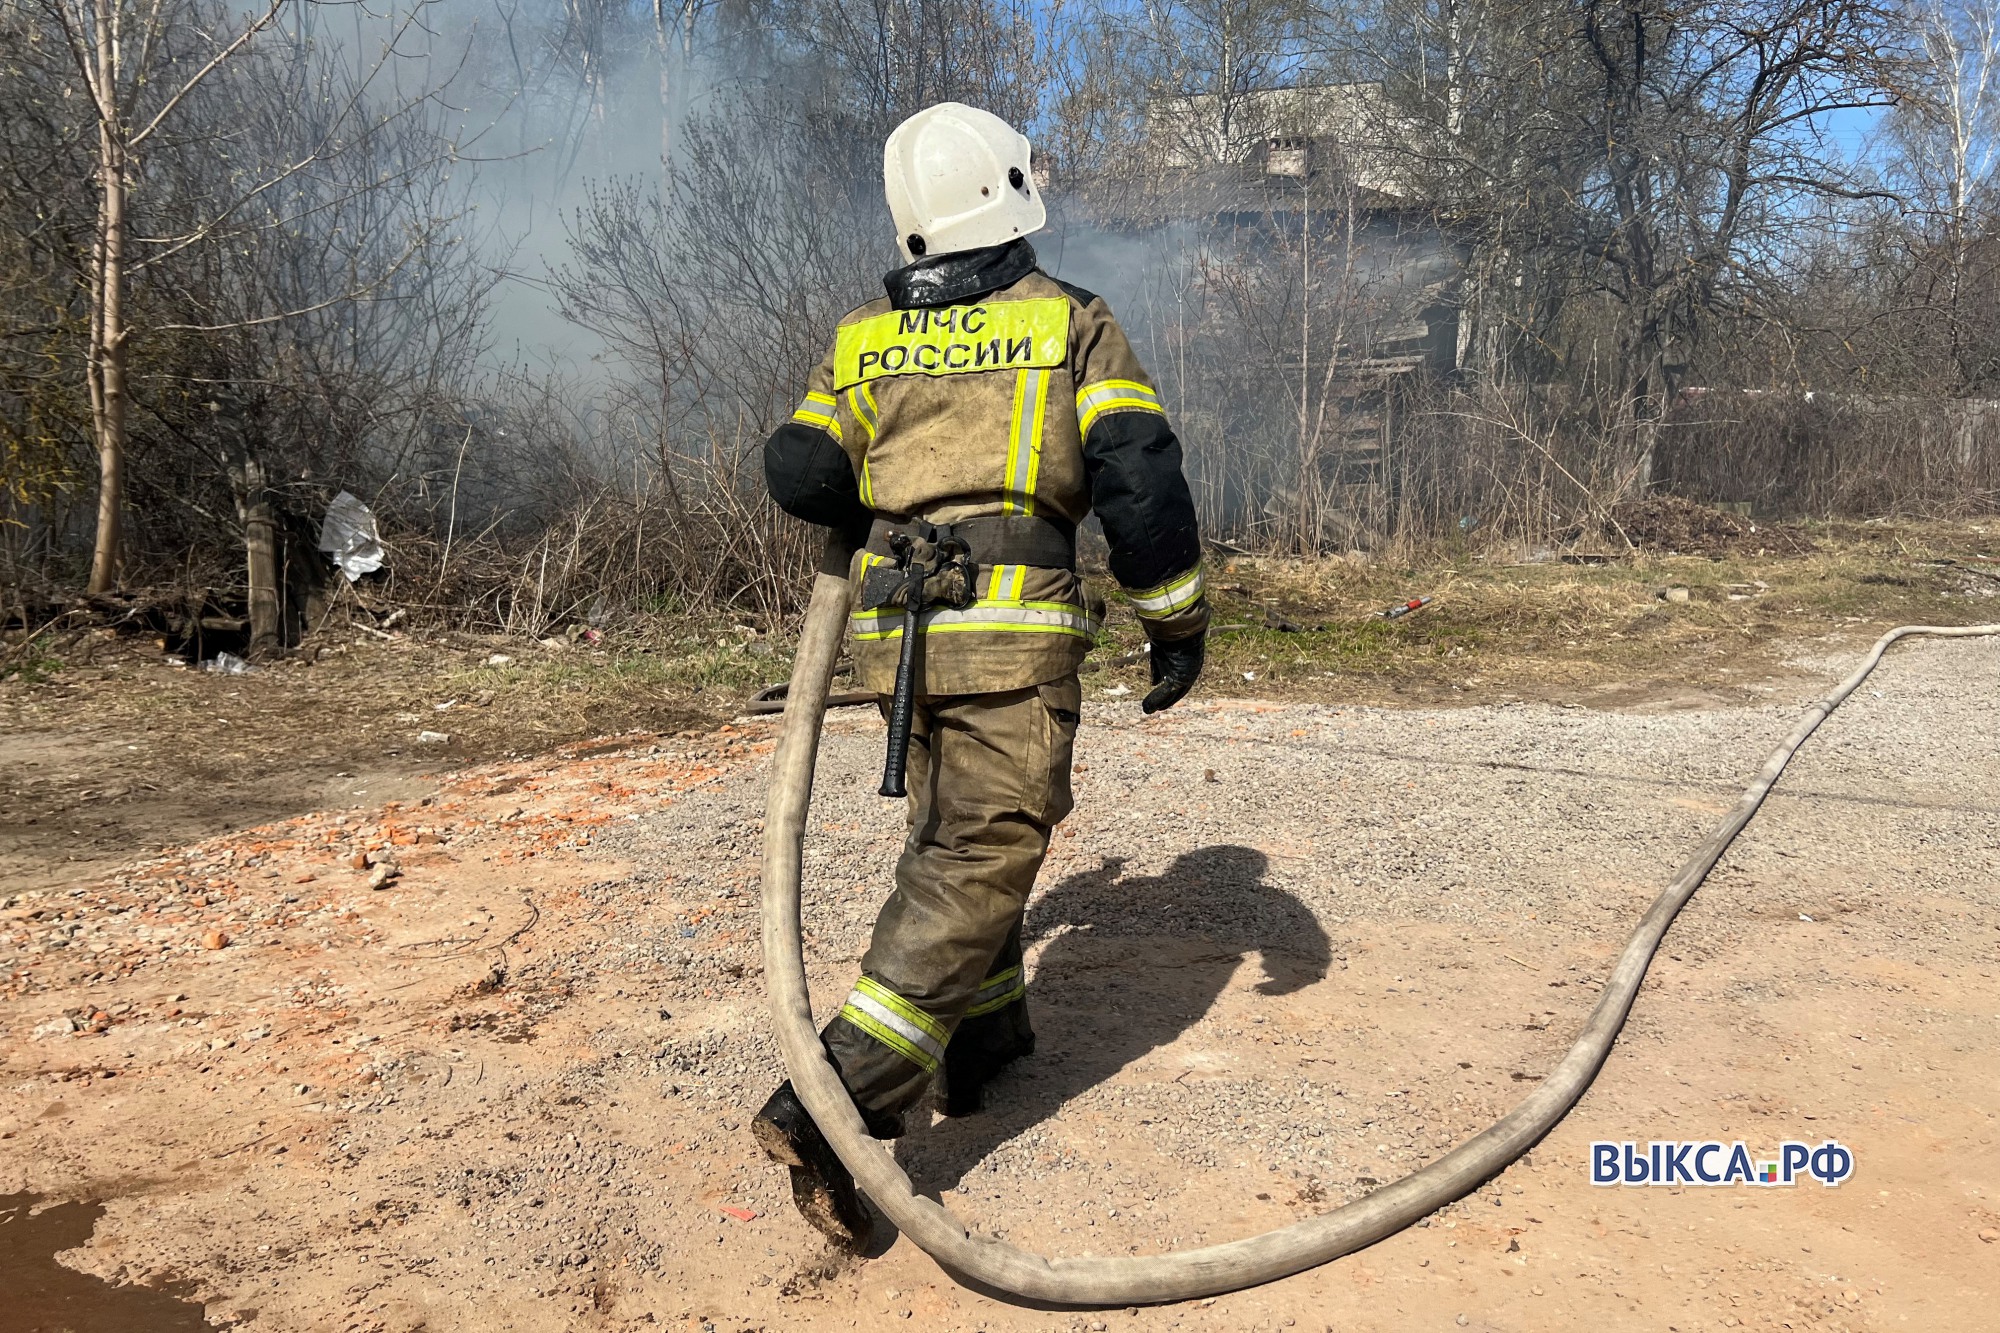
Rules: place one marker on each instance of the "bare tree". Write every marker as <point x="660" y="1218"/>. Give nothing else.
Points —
<point x="1946" y="137"/>
<point x="143" y="68"/>
<point x="137" y="64"/>
<point x="1210" y="68"/>
<point x="1632" y="172"/>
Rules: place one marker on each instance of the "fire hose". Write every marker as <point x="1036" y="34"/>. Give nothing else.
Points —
<point x="1214" y="1269"/>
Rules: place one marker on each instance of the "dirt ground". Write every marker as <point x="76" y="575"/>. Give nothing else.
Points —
<point x="1286" y="950"/>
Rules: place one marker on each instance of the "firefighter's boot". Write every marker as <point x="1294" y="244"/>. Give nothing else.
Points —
<point x="984" y="1045"/>
<point x="822" y="1188"/>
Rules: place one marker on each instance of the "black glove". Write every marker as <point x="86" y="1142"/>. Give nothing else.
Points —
<point x="1176" y="666"/>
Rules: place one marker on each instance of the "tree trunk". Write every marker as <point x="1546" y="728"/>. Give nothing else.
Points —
<point x="107" y="351"/>
<point x="258" y="511"/>
<point x="260" y="541"/>
<point x="664" y="52"/>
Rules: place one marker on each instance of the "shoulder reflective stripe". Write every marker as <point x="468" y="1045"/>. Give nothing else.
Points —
<point x="1024" y="442"/>
<point x="1094" y="400"/>
<point x="1174" y="595"/>
<point x="896" y="1023"/>
<point x="997" y="992"/>
<point x="953" y="340"/>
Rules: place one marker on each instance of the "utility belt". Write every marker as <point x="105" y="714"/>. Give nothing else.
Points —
<point x="1010" y="539"/>
<point x="937" y="564"/>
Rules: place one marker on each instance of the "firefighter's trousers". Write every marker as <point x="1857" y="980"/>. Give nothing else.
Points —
<point x="989" y="778"/>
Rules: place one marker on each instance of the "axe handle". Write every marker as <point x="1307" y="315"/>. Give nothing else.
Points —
<point x="896" y="762"/>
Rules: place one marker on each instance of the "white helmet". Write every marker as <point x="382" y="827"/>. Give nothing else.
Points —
<point x="958" y="178"/>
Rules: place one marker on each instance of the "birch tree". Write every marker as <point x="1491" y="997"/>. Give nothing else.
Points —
<point x="1947" y="137"/>
<point x="136" y="62"/>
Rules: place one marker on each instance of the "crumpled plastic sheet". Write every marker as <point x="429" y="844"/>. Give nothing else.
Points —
<point x="227" y="664"/>
<point x="349" y="537"/>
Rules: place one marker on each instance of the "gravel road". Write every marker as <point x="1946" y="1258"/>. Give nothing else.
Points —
<point x="1281" y="954"/>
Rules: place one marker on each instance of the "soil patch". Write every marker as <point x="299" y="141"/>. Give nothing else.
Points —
<point x="509" y="1087"/>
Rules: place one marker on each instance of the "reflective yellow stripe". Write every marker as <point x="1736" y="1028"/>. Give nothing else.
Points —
<point x="1079" y="628"/>
<point x="861" y="401"/>
<point x="896" y="1023"/>
<point x="1039" y="390"/>
<point x="953" y="340"/>
<point x="982" y="605"/>
<point x="1098" y="389"/>
<point x="1010" y="485"/>
<point x="1005" y="585"/>
<point x="1175" y="594"/>
<point x="1094" y="400"/>
<point x="889" y="1036"/>
<point x="989" y="616"/>
<point x="817" y="411"/>
<point x="1024" y="441"/>
<point x="997" y="992"/>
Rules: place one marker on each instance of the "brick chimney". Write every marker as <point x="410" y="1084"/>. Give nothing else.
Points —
<point x="1287" y="155"/>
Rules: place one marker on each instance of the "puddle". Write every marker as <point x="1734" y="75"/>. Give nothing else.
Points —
<point x="42" y="1296"/>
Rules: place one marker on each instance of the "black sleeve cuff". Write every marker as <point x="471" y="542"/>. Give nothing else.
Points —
<point x="810" y="477"/>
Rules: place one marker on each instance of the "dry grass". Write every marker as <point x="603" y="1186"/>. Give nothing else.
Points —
<point x="1504" y="627"/>
<point x="1500" y="625"/>
<point x="722" y="551"/>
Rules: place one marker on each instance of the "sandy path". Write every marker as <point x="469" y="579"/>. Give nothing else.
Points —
<point x="1282" y="953"/>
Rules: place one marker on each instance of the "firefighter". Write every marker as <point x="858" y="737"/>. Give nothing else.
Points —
<point x="985" y="406"/>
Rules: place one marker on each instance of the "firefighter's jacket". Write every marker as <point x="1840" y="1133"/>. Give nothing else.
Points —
<point x="981" y="386"/>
